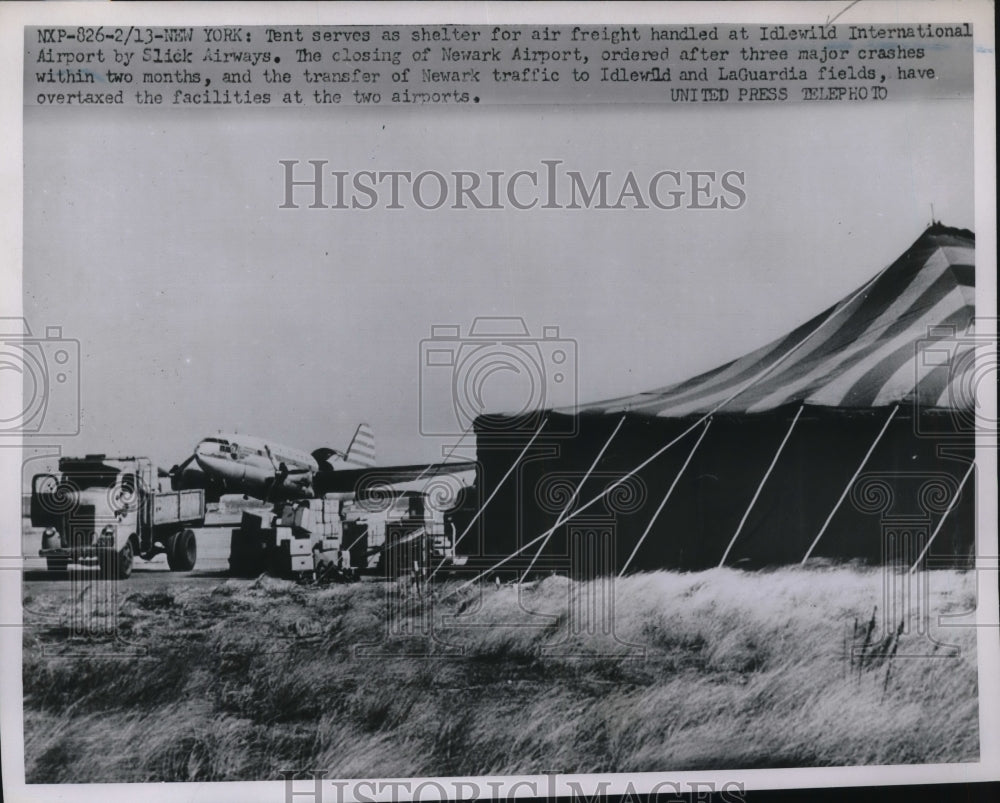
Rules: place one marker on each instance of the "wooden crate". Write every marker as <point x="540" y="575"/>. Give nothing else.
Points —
<point x="301" y="563"/>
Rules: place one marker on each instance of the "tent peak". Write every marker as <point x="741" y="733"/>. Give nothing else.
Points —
<point x="937" y="227"/>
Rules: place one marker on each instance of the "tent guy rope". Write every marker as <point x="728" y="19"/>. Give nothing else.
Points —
<point x="573" y="496"/>
<point x="940" y="524"/>
<point x="850" y="483"/>
<point x="760" y="487"/>
<point x="666" y="496"/>
<point x="482" y="507"/>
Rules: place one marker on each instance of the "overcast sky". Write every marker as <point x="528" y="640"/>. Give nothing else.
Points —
<point x="155" y="239"/>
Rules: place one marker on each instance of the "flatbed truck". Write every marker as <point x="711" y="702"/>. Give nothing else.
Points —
<point x="102" y="512"/>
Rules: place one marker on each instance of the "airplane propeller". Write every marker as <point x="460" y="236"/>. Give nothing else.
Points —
<point x="177" y="471"/>
<point x="196" y="479"/>
<point x="281" y="473"/>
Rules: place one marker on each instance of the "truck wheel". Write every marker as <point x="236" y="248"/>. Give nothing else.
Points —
<point x="118" y="565"/>
<point x="57" y="564"/>
<point x="182" y="551"/>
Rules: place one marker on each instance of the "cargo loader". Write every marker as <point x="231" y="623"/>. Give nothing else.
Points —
<point x="340" y="537"/>
<point x="297" y="540"/>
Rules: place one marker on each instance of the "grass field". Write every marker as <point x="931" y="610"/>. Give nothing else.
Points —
<point x="718" y="669"/>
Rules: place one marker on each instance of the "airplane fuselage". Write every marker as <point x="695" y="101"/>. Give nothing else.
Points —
<point x="244" y="464"/>
<point x="229" y="463"/>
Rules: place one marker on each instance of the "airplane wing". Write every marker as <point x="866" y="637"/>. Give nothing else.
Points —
<point x="346" y="480"/>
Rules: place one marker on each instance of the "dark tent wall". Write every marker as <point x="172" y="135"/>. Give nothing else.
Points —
<point x="841" y="374"/>
<point x="895" y="503"/>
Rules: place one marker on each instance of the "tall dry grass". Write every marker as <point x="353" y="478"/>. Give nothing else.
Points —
<point x="718" y="669"/>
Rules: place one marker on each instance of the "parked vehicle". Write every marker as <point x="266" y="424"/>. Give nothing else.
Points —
<point x="103" y="511"/>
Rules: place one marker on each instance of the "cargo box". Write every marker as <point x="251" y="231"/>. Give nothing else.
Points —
<point x="294" y="546"/>
<point x="301" y="563"/>
<point x="285" y="516"/>
<point x="324" y="510"/>
<point x="302" y="519"/>
<point x="329" y="531"/>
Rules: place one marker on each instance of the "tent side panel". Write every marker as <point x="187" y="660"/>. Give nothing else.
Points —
<point x="712" y="496"/>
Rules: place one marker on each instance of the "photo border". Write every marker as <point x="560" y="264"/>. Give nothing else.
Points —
<point x="14" y="16"/>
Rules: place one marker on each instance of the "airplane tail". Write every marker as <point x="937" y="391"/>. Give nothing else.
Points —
<point x="362" y="449"/>
<point x="360" y="453"/>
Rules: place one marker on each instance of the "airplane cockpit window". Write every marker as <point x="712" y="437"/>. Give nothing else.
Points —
<point x="221" y="441"/>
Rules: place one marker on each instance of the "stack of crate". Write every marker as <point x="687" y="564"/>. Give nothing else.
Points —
<point x="291" y="554"/>
<point x="327" y="522"/>
<point x="307" y="532"/>
<point x="305" y="536"/>
<point x="328" y="533"/>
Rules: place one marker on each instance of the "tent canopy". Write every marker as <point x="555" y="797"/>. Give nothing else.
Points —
<point x="859" y="353"/>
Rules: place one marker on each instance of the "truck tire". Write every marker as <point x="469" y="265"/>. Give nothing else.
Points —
<point x="118" y="565"/>
<point x="182" y="551"/>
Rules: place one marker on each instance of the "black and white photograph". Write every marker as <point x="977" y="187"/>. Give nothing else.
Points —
<point x="441" y="401"/>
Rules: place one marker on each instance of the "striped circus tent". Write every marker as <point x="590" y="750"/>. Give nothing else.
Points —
<point x="857" y="354"/>
<point x="849" y="438"/>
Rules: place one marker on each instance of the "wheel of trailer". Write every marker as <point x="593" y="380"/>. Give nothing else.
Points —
<point x="57" y="564"/>
<point x="182" y="551"/>
<point x="118" y="565"/>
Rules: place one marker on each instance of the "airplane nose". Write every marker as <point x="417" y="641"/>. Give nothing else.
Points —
<point x="211" y="463"/>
